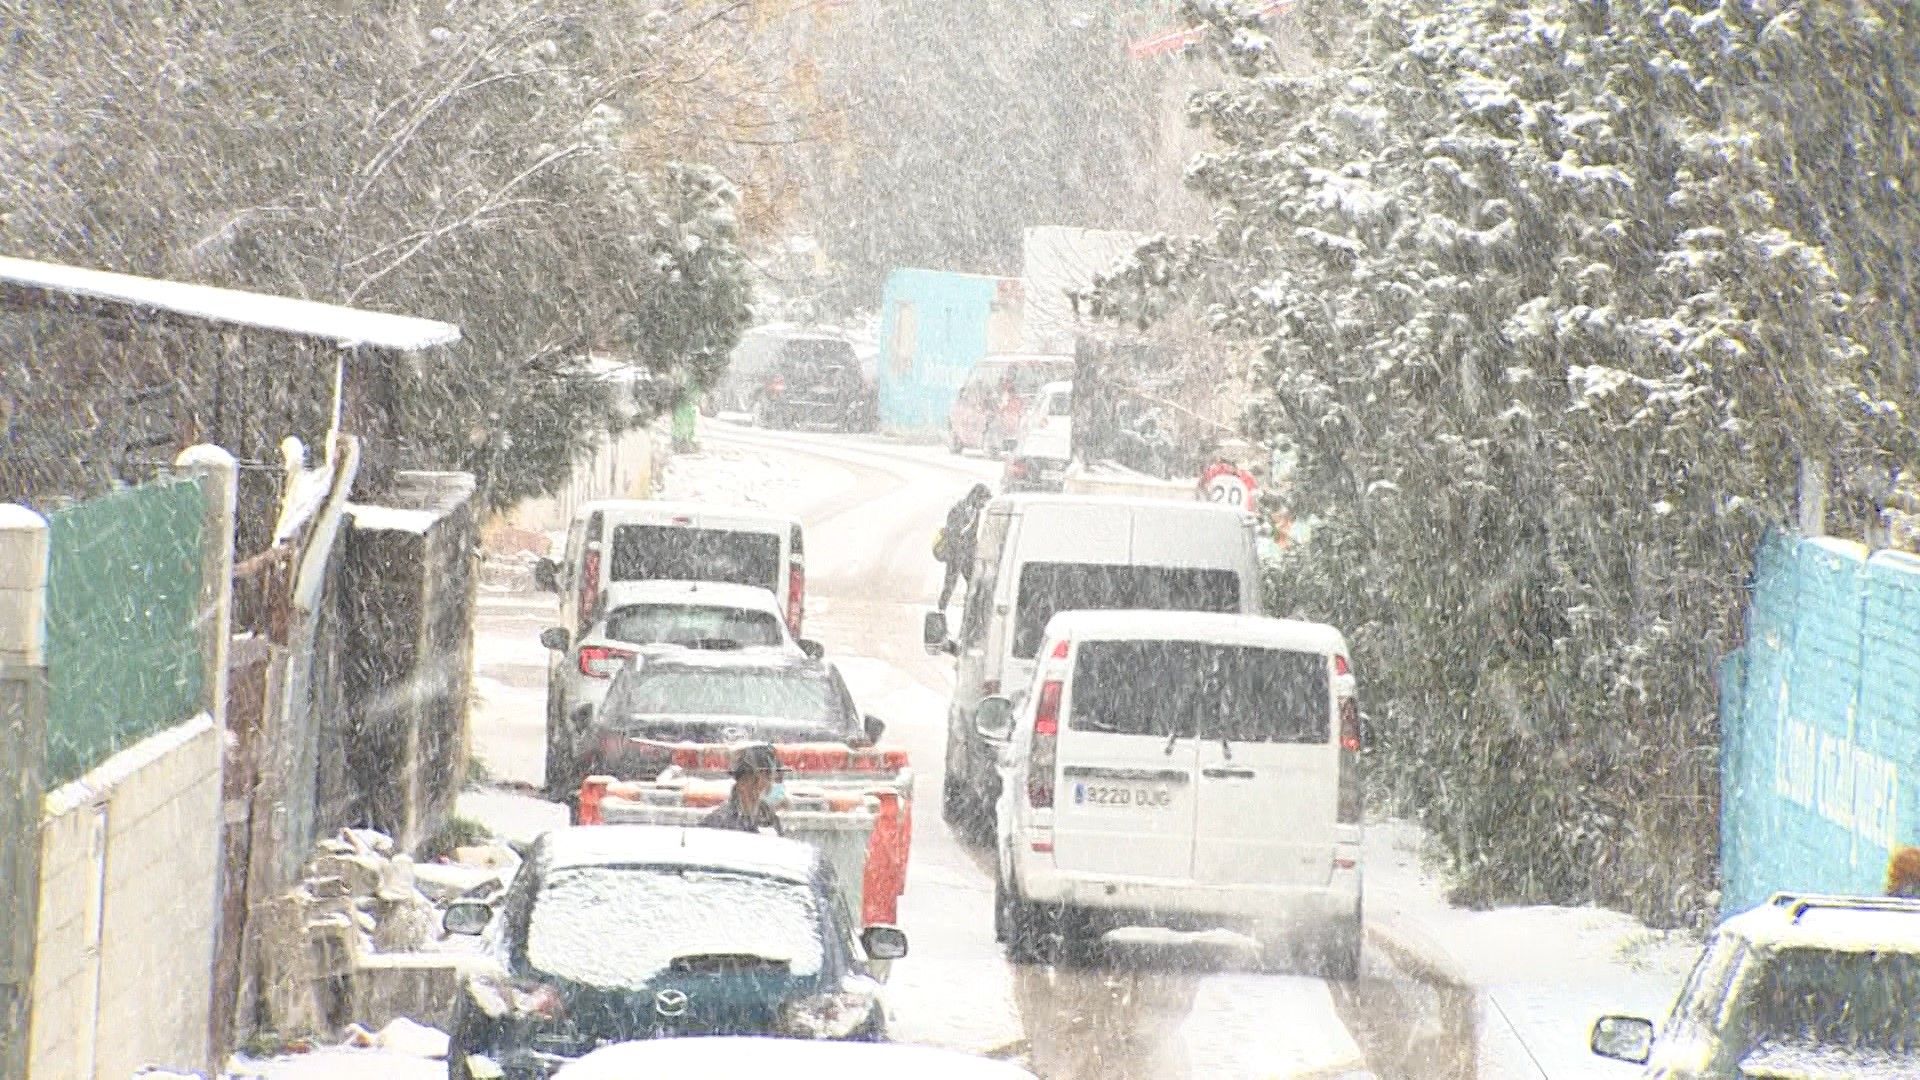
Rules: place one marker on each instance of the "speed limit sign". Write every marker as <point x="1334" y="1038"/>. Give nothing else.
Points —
<point x="1228" y="485"/>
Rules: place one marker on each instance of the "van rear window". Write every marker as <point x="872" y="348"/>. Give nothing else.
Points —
<point x="1049" y="588"/>
<point x="1196" y="689"/>
<point x="680" y="553"/>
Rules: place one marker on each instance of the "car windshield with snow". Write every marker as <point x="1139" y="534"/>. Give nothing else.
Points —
<point x="616" y="933"/>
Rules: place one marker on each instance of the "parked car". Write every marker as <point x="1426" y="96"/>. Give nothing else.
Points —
<point x="690" y="614"/>
<point x="1045" y="447"/>
<point x="786" y="1060"/>
<point x="1181" y="768"/>
<point x="614" y="542"/>
<point x="992" y="404"/>
<point x="816" y="383"/>
<point x="1041" y="554"/>
<point x="762" y="349"/>
<point x="622" y="932"/>
<point x="1799" y="988"/>
<point x="664" y="697"/>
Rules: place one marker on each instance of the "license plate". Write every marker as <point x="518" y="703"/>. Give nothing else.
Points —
<point x="1130" y="795"/>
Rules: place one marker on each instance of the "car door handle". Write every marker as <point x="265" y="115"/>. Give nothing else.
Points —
<point x="1228" y="772"/>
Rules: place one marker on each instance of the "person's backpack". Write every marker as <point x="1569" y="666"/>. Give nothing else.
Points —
<point x="940" y="544"/>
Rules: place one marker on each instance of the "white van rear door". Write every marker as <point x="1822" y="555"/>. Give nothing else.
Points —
<point x="1268" y="769"/>
<point x="1125" y="796"/>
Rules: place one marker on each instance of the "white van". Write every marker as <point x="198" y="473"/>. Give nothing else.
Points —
<point x="1041" y="554"/>
<point x="615" y="540"/>
<point x="1175" y="768"/>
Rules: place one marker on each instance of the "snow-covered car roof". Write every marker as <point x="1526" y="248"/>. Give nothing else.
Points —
<point x="661" y="510"/>
<point x="1255" y="630"/>
<point x="665" y="845"/>
<point x="1836" y="923"/>
<point x="788" y="1059"/>
<point x="708" y="593"/>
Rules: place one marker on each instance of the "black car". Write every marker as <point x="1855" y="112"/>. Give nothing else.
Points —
<point x="664" y="697"/>
<point x="816" y="383"/>
<point x="612" y="933"/>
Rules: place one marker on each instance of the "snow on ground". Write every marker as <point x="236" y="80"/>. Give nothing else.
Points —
<point x="732" y="474"/>
<point x="1545" y="973"/>
<point x="341" y="1064"/>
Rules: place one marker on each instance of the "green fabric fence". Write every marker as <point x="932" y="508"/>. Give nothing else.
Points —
<point x="123" y="598"/>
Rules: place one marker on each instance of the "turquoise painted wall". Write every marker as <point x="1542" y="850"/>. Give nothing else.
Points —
<point x="934" y="326"/>
<point x="1820" y="717"/>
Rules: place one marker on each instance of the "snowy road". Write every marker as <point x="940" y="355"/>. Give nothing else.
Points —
<point x="1145" y="1004"/>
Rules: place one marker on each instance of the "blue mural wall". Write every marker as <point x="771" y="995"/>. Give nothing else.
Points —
<point x="1820" y="718"/>
<point x="934" y="326"/>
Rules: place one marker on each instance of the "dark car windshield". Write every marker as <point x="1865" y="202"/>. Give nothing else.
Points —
<point x="620" y="927"/>
<point x="691" y="624"/>
<point x="816" y="350"/>
<point x="796" y="695"/>
<point x="1049" y="588"/>
<point x="1232" y="692"/>
<point x="682" y="553"/>
<point x="1862" y="1001"/>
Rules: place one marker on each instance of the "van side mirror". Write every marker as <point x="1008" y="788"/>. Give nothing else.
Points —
<point x="993" y="719"/>
<point x="812" y="648"/>
<point x="546" y="576"/>
<point x="555" y="638"/>
<point x="1623" y="1038"/>
<point x="933" y="634"/>
<point x="875" y="727"/>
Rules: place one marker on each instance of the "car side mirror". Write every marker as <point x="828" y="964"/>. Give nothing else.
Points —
<point x="812" y="648"/>
<point x="993" y="719"/>
<point x="466" y="917"/>
<point x="934" y="633"/>
<point x="1623" y="1038"/>
<point x="555" y="638"/>
<point x="546" y="576"/>
<point x="875" y="727"/>
<point x="884" y="942"/>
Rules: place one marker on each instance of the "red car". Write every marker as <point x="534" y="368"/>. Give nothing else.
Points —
<point x="992" y="404"/>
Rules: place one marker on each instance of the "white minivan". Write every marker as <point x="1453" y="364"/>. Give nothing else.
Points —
<point x="1182" y="769"/>
<point x="1037" y="555"/>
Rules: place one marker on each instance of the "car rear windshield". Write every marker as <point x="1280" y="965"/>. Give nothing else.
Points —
<point x="1192" y="688"/>
<point x="1060" y="405"/>
<point x="682" y="553"/>
<point x="1049" y="588"/>
<point x="805" y="697"/>
<point x="1030" y="377"/>
<point x="1857" y="1000"/>
<point x="692" y="625"/>
<point x="618" y="928"/>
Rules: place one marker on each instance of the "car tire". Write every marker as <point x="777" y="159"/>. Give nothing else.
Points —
<point x="1020" y="926"/>
<point x="1339" y="951"/>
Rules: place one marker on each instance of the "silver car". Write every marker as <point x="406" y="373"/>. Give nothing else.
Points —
<point x="691" y="614"/>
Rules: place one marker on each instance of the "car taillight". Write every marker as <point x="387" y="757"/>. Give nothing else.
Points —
<point x="589" y="586"/>
<point x="1348" y="807"/>
<point x="601" y="662"/>
<point x="796" y="596"/>
<point x="1046" y="734"/>
<point x="1017" y="468"/>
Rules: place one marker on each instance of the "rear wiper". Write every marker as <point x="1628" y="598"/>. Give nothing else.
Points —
<point x="1171" y="741"/>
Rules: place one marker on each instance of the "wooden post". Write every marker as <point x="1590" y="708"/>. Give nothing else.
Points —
<point x="23" y="746"/>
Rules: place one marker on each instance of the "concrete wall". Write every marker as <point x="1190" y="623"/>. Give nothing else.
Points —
<point x="129" y="902"/>
<point x="1820" y="717"/>
<point x="934" y="326"/>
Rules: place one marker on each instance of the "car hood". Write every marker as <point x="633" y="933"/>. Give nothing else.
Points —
<point x="1809" y="1061"/>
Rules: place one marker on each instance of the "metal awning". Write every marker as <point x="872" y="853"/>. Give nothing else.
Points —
<point x="347" y="328"/>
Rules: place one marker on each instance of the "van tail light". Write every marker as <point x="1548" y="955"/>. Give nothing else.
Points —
<point x="1046" y="737"/>
<point x="796" y="596"/>
<point x="589" y="587"/>
<point x="1017" y="468"/>
<point x="1340" y="666"/>
<point x="1349" y="801"/>
<point x="601" y="662"/>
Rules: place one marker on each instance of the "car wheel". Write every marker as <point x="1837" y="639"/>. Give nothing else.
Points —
<point x="1339" y="951"/>
<point x="1032" y="933"/>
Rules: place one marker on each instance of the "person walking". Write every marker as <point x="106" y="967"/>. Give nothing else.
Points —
<point x="756" y="791"/>
<point x="957" y="538"/>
